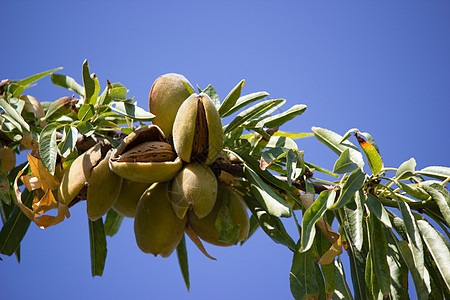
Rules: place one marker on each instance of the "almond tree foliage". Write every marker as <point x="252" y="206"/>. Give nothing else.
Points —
<point x="391" y="221"/>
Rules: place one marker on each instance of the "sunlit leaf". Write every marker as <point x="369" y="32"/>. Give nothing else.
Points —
<point x="414" y="190"/>
<point x="344" y="164"/>
<point x="47" y="146"/>
<point x="440" y="195"/>
<point x="14" y="114"/>
<point x="245" y="100"/>
<point x="353" y="183"/>
<point x="89" y="85"/>
<point x="118" y="93"/>
<point x="86" y="112"/>
<point x="97" y="238"/>
<point x="132" y="111"/>
<point x="293" y="135"/>
<point x="437" y="172"/>
<point x="342" y="291"/>
<point x="281" y="142"/>
<point x="406" y="170"/>
<point x="211" y="92"/>
<point x="231" y="98"/>
<point x="67" y="83"/>
<point x="67" y="145"/>
<point x="85" y="128"/>
<point x="372" y="155"/>
<point x="332" y="140"/>
<point x="281" y="118"/>
<point x="354" y="216"/>
<point x="314" y="167"/>
<point x="36" y="77"/>
<point x="271" y="155"/>
<point x="439" y="248"/>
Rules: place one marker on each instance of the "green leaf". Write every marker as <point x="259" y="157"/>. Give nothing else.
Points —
<point x="112" y="222"/>
<point x="118" y="93"/>
<point x="281" y="118"/>
<point x="441" y="173"/>
<point x="47" y="146"/>
<point x="406" y="170"/>
<point x="378" y="210"/>
<point x="281" y="142"/>
<point x="132" y="111"/>
<point x="274" y="204"/>
<point x="231" y="98"/>
<point x="251" y="112"/>
<point x="188" y="87"/>
<point x="245" y="100"/>
<point x="58" y="108"/>
<point x="293" y="166"/>
<point x="415" y="248"/>
<point x="332" y="140"/>
<point x="372" y="155"/>
<point x="104" y="98"/>
<point x="357" y="268"/>
<point x="344" y="164"/>
<point x="342" y="291"/>
<point x="398" y="270"/>
<point x="85" y="128"/>
<point x="303" y="276"/>
<point x="353" y="221"/>
<point x="86" y="112"/>
<point x="293" y="135"/>
<point x="67" y="83"/>
<point x="254" y="225"/>
<point x="89" y="84"/>
<point x="271" y="155"/>
<point x="97" y="240"/>
<point x="67" y="145"/>
<point x="348" y="134"/>
<point x="211" y="92"/>
<point x="271" y="225"/>
<point x="378" y="250"/>
<point x="414" y="190"/>
<point x="36" y="77"/>
<point x="14" y="114"/>
<point x="353" y="183"/>
<point x="312" y="215"/>
<point x="183" y="261"/>
<point x="313" y="167"/>
<point x="440" y="195"/>
<point x="438" y="246"/>
<point x="15" y="227"/>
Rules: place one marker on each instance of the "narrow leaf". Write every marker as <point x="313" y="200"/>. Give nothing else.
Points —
<point x="438" y="246"/>
<point x="271" y="225"/>
<point x="353" y="220"/>
<point x="281" y="118"/>
<point x="132" y="111"/>
<point x="332" y="140"/>
<point x="67" y="145"/>
<point x="378" y="210"/>
<point x="440" y="195"/>
<point x="245" y="100"/>
<point x="15" y="227"/>
<point x="231" y="98"/>
<point x="14" y="114"/>
<point x="183" y="261"/>
<point x="441" y="173"/>
<point x="97" y="240"/>
<point x="112" y="222"/>
<point x="67" y="83"/>
<point x="89" y="83"/>
<point x="36" y="77"/>
<point x="353" y="183"/>
<point x="293" y="135"/>
<point x="312" y="215"/>
<point x="342" y="291"/>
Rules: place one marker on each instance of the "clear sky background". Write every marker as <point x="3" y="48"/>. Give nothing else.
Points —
<point x="380" y="66"/>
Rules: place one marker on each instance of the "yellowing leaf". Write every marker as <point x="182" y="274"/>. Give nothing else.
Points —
<point x="46" y="203"/>
<point x="48" y="181"/>
<point x="31" y="182"/>
<point x="47" y="221"/>
<point x="335" y="250"/>
<point x="372" y="155"/>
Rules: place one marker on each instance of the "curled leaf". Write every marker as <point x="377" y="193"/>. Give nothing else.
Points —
<point x="335" y="250"/>
<point x="196" y="240"/>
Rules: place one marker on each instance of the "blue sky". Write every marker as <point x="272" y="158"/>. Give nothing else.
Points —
<point x="383" y="67"/>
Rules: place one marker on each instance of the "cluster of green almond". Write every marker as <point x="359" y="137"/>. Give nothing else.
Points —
<point x="160" y="174"/>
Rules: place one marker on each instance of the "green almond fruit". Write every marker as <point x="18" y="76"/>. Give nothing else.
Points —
<point x="144" y="156"/>
<point x="78" y="173"/>
<point x="103" y="189"/>
<point x="166" y="96"/>
<point x="157" y="229"/>
<point x="197" y="130"/>
<point x="129" y="196"/>
<point x="195" y="186"/>
<point x="229" y="213"/>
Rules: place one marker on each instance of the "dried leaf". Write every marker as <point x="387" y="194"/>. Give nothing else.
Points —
<point x="47" y="221"/>
<point x="194" y="238"/>
<point x="31" y="182"/>
<point x="335" y="250"/>
<point x="48" y="181"/>
<point x="46" y="203"/>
